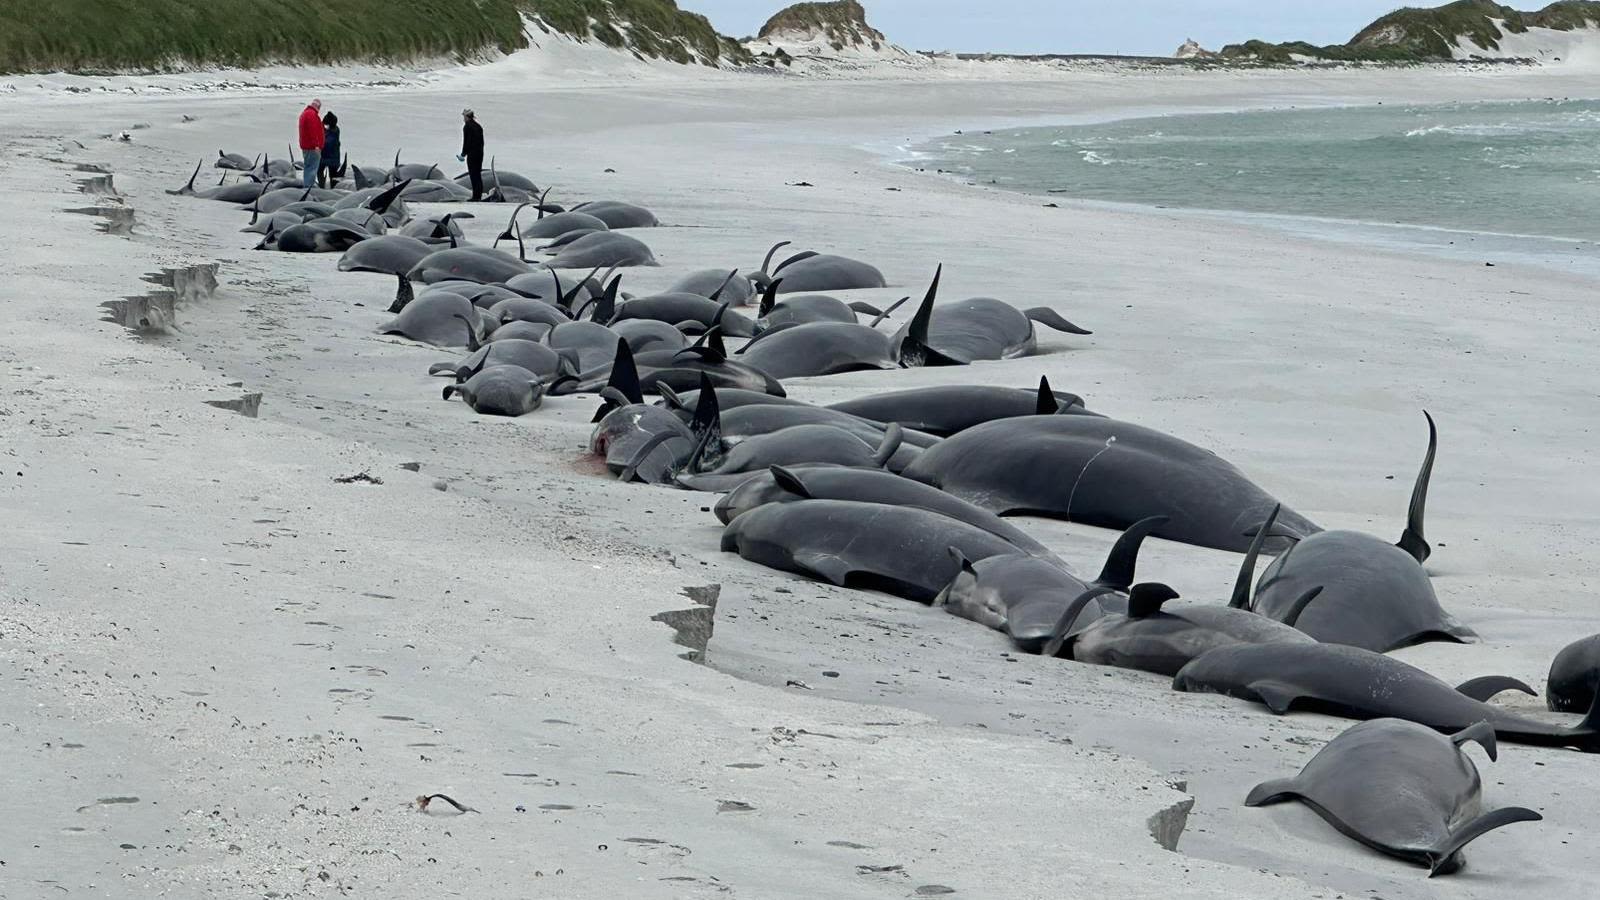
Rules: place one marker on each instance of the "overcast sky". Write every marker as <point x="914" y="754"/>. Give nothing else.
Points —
<point x="1150" y="27"/>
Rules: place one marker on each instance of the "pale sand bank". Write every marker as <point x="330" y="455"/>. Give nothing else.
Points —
<point x="275" y="664"/>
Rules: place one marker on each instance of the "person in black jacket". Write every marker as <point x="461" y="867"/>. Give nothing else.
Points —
<point x="329" y="171"/>
<point x="472" y="151"/>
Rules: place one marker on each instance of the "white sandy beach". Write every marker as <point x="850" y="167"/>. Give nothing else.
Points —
<point x="193" y="613"/>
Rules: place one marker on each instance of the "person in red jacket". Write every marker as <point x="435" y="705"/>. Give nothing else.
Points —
<point x="311" y="138"/>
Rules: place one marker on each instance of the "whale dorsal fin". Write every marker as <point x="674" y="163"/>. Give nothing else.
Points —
<point x="1118" y="571"/>
<point x="1145" y="600"/>
<point x="1483" y="733"/>
<point x="769" y="298"/>
<point x="803" y="254"/>
<point x="625" y="374"/>
<point x="770" y="253"/>
<point x="706" y="427"/>
<point x="1485" y="688"/>
<point x="789" y="481"/>
<point x="714" y="338"/>
<point x="605" y="309"/>
<point x="912" y="350"/>
<point x="1411" y="540"/>
<point x="1047" y="405"/>
<point x="1247" y="570"/>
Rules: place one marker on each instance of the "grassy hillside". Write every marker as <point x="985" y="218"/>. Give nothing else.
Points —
<point x="102" y="35"/>
<point x="653" y="28"/>
<point x="1415" y="34"/>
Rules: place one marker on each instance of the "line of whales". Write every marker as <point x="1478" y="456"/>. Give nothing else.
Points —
<point x="913" y="492"/>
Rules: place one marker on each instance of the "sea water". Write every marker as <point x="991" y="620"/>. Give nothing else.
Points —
<point x="1508" y="181"/>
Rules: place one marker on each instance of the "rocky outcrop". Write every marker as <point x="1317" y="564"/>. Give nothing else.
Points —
<point x="841" y="24"/>
<point x="1191" y="49"/>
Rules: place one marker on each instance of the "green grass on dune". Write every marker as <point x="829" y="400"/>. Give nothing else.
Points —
<point x="146" y="35"/>
<point x="76" y="35"/>
<point x="654" y="28"/>
<point x="1417" y="34"/>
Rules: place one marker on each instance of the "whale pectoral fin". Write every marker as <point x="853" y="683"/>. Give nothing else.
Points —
<point x="1411" y="540"/>
<point x="825" y="566"/>
<point x="669" y="397"/>
<point x="893" y="436"/>
<point x="1292" y="617"/>
<point x="568" y="361"/>
<point x="1442" y="857"/>
<point x="1483" y="733"/>
<point x="968" y="576"/>
<point x="1145" y="600"/>
<point x="1275" y="791"/>
<point x="865" y="309"/>
<point x="442" y="368"/>
<point x="878" y="319"/>
<point x="1044" y="315"/>
<point x="450" y="389"/>
<point x="1124" y="556"/>
<point x="630" y="472"/>
<point x="1275" y="695"/>
<point x="1061" y="635"/>
<point x="1482" y="689"/>
<point x="789" y="481"/>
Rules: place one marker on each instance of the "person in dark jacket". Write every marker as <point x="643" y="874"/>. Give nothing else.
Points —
<point x="328" y="173"/>
<point x="472" y="151"/>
